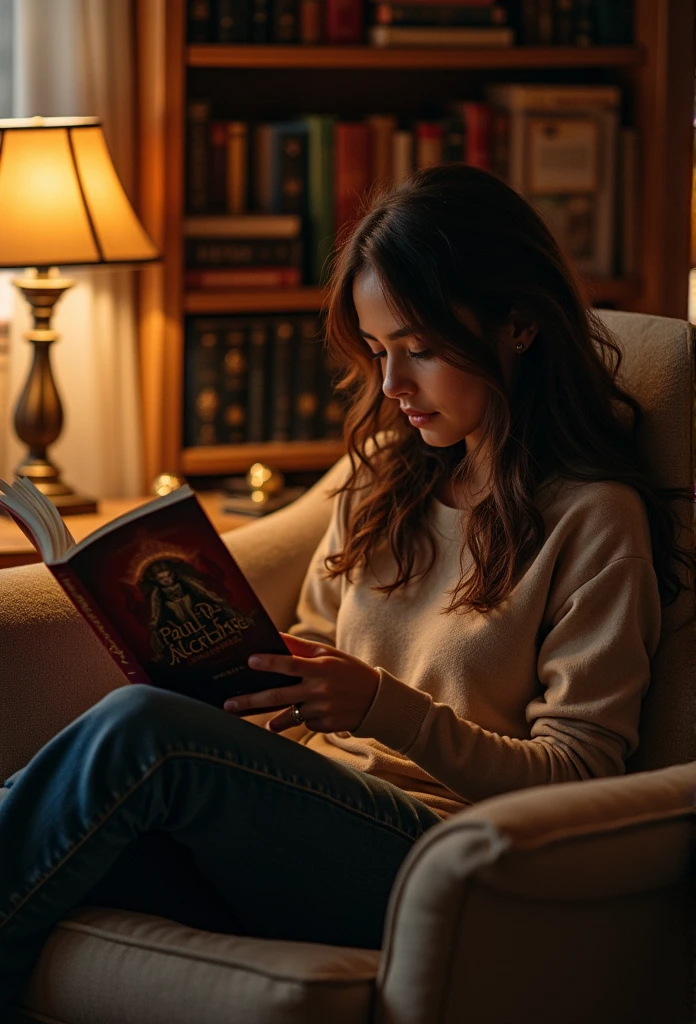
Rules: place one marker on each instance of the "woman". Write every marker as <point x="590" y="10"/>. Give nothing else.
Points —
<point x="479" y="616"/>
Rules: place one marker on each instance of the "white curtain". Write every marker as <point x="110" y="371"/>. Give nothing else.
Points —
<point x="75" y="58"/>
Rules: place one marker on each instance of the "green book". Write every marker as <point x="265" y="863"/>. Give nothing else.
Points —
<point x="320" y="174"/>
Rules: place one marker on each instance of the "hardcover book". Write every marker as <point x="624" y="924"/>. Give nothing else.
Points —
<point x="160" y="590"/>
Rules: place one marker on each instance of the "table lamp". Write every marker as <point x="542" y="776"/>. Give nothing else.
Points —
<point x="61" y="203"/>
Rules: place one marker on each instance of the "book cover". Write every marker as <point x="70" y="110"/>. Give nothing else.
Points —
<point x="320" y="197"/>
<point x="259" y="358"/>
<point x="285" y="21"/>
<point x="353" y="170"/>
<point x="232" y="21"/>
<point x="199" y="21"/>
<point x="382" y="127"/>
<point x="162" y="593"/>
<point x="557" y="132"/>
<point x="280" y="382"/>
<point x="345" y="20"/>
<point x="424" y="35"/>
<point x="305" y="389"/>
<point x="197" y="156"/>
<point x="242" y="252"/>
<point x="288" y="184"/>
<point x="234" y="381"/>
<point x="202" y="400"/>
<point x="237" y="167"/>
<point x="243" y="277"/>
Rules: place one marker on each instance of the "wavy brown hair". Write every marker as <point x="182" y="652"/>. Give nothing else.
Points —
<point x="451" y="236"/>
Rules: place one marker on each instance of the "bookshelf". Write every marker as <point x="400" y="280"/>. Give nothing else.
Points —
<point x="274" y="82"/>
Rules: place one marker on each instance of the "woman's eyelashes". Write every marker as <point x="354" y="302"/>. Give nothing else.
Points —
<point x="423" y="354"/>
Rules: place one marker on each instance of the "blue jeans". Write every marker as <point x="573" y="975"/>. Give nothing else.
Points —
<point x="223" y="824"/>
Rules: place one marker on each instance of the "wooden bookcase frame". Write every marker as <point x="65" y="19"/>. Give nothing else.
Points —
<point x="657" y="73"/>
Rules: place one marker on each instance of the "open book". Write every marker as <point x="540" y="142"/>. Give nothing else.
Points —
<point x="160" y="590"/>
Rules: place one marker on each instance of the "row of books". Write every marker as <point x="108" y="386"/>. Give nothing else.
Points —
<point x="562" y="146"/>
<point x="257" y="378"/>
<point x="482" y="23"/>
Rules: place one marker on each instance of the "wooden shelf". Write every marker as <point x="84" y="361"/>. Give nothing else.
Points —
<point x="280" y="300"/>
<point x="360" y="57"/>
<point x="614" y="290"/>
<point x="283" y="455"/>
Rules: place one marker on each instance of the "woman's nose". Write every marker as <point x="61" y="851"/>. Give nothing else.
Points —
<point x="396" y="381"/>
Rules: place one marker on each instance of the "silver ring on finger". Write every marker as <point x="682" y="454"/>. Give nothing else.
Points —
<point x="297" y="714"/>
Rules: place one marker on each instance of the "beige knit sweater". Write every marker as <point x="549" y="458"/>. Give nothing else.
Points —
<point x="545" y="688"/>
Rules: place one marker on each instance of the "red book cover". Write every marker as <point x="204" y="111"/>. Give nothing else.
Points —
<point x="345" y="21"/>
<point x="478" y="118"/>
<point x="164" y="596"/>
<point x="244" y="277"/>
<point x="218" y="165"/>
<point x="352" y="170"/>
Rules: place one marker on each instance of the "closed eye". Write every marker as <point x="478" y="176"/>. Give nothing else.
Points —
<point x="423" y="354"/>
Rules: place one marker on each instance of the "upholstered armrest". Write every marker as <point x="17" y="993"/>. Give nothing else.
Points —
<point x="53" y="667"/>
<point x="521" y="901"/>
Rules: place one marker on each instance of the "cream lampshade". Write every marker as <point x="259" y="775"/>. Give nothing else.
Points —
<point x="61" y="203"/>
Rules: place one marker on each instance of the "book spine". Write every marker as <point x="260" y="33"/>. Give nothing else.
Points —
<point x="234" y="384"/>
<point x="430" y="140"/>
<point x="232" y="21"/>
<point x="454" y="138"/>
<point x="237" y="164"/>
<point x="402" y="154"/>
<point x="242" y="252"/>
<point x="102" y="628"/>
<point x="202" y="382"/>
<point x="289" y="168"/>
<point x="262" y="161"/>
<point x="331" y="415"/>
<point x="529" y="22"/>
<point x="563" y="22"/>
<point x="545" y="22"/>
<point x="320" y="198"/>
<point x="249" y="225"/>
<point x="629" y="217"/>
<point x="283" y="337"/>
<point x="385" y="12"/>
<point x="198" y="21"/>
<point x="353" y="168"/>
<point x="614" y="22"/>
<point x="285" y="21"/>
<point x="477" y="120"/>
<point x="382" y="127"/>
<point x="306" y="382"/>
<point x="584" y="34"/>
<point x="256" y="394"/>
<point x="218" y="166"/>
<point x="312" y="22"/>
<point x="345" y="20"/>
<point x="197" y="167"/>
<point x="244" y="277"/>
<point x="398" y="35"/>
<point x="260" y="21"/>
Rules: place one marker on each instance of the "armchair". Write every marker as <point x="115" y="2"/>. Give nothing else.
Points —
<point x="564" y="903"/>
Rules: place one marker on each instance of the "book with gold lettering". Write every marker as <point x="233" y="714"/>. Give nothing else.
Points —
<point x="160" y="590"/>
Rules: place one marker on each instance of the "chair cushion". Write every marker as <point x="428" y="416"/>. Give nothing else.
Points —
<point x="101" y="965"/>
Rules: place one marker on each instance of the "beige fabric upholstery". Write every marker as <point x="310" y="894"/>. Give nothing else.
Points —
<point x="108" y="958"/>
<point x="586" y="916"/>
<point x="557" y="903"/>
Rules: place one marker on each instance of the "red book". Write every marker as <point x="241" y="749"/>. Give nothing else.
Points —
<point x="218" y="165"/>
<point x="161" y="591"/>
<point x="345" y="21"/>
<point x="352" y="170"/>
<point x="478" y="118"/>
<point x="244" y="277"/>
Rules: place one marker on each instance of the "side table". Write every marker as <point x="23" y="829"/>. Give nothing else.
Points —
<point x="15" y="549"/>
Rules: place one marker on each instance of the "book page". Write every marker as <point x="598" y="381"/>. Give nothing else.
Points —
<point x="37" y="517"/>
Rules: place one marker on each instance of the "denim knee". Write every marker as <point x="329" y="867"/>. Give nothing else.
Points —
<point x="138" y="704"/>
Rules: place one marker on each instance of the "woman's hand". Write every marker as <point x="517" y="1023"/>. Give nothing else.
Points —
<point x="335" y="692"/>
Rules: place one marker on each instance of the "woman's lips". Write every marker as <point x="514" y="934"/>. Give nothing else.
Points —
<point x="419" y="419"/>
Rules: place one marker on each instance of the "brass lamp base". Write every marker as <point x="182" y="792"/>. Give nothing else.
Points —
<point x="39" y="414"/>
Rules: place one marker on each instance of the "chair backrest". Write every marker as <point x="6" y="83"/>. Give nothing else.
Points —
<point x="658" y="369"/>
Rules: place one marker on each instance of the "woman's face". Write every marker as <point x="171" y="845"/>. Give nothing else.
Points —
<point x="452" y="403"/>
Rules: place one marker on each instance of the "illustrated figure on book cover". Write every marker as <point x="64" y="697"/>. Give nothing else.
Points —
<point x="186" y="616"/>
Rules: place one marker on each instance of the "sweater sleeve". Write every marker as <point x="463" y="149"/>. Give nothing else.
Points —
<point x="320" y="597"/>
<point x="593" y="669"/>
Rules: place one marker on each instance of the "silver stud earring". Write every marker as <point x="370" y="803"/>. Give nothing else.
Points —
<point x="519" y="347"/>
